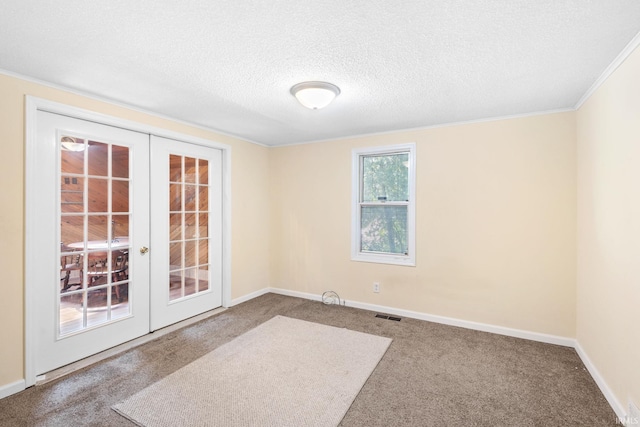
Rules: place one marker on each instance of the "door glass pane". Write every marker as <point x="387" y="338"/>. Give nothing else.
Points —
<point x="190" y="281"/>
<point x="120" y="162"/>
<point x="175" y="284"/>
<point x="203" y="278"/>
<point x="203" y="252"/>
<point x="203" y="171"/>
<point x="97" y="311"/>
<point x="189" y="170"/>
<point x="175" y="197"/>
<point x="175" y="256"/>
<point x="203" y="225"/>
<point x="188" y="227"/>
<point x="190" y="254"/>
<point x="175" y="227"/>
<point x="175" y="168"/>
<point x="94" y="268"/>
<point x="190" y="198"/>
<point x="204" y="198"/>
<point x="71" y="194"/>
<point x="71" y="231"/>
<point x="120" y="307"/>
<point x="119" y="266"/>
<point x="98" y="229"/>
<point x="71" y="317"/>
<point x="98" y="195"/>
<point x="120" y="196"/>
<point x="71" y="267"/>
<point x="72" y="155"/>
<point x="119" y="227"/>
<point x="98" y="154"/>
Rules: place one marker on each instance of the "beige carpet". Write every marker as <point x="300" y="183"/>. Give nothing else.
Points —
<point x="285" y="372"/>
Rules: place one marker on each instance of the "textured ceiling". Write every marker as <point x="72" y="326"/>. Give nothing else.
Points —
<point x="400" y="64"/>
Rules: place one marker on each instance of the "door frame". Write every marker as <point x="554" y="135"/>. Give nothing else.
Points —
<point x="35" y="104"/>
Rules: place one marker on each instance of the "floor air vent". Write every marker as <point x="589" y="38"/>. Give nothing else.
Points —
<point x="384" y="316"/>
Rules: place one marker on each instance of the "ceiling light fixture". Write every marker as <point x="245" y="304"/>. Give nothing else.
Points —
<point x="315" y="95"/>
<point x="71" y="144"/>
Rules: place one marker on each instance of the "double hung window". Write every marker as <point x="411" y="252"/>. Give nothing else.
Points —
<point x="383" y="223"/>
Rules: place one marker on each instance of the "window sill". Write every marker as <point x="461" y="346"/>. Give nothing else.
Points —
<point x="384" y="259"/>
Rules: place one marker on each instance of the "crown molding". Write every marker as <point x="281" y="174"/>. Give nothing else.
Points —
<point x="624" y="54"/>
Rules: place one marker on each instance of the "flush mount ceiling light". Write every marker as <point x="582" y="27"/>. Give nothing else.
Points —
<point x="70" y="144"/>
<point x="315" y="95"/>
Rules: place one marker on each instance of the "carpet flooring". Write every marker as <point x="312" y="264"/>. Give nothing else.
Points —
<point x="431" y="375"/>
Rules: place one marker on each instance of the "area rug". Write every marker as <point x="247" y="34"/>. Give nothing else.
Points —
<point x="285" y="372"/>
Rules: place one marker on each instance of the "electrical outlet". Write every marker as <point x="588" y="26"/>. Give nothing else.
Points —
<point x="376" y="287"/>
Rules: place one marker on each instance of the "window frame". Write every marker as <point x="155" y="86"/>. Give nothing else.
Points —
<point x="356" y="205"/>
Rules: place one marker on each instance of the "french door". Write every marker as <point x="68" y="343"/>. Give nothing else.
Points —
<point x="104" y="268"/>
<point x="92" y="281"/>
<point x="186" y="194"/>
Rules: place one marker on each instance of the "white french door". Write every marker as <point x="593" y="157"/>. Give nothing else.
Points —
<point x="123" y="234"/>
<point x="186" y="223"/>
<point x="88" y="221"/>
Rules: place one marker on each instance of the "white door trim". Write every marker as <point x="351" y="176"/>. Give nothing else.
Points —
<point x="35" y="104"/>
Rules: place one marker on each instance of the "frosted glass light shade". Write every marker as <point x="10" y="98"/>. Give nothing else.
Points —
<point x="315" y="95"/>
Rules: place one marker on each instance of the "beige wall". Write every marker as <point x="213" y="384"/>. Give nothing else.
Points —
<point x="608" y="274"/>
<point x="496" y="211"/>
<point x="250" y="238"/>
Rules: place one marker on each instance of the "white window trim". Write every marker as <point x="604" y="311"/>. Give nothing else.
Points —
<point x="381" y="258"/>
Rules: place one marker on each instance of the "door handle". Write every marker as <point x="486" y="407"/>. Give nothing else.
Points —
<point x="144" y="250"/>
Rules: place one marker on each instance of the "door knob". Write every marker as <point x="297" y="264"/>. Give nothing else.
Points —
<point x="144" y="250"/>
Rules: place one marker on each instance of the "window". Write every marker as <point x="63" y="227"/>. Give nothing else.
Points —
<point x="383" y="213"/>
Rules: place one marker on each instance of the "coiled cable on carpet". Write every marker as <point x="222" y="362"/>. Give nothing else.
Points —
<point x="331" y="298"/>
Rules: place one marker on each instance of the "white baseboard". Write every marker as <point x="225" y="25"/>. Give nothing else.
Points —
<point x="13" y="388"/>
<point x="250" y="296"/>
<point x="615" y="404"/>
<point x="518" y="333"/>
<point x="297" y="294"/>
